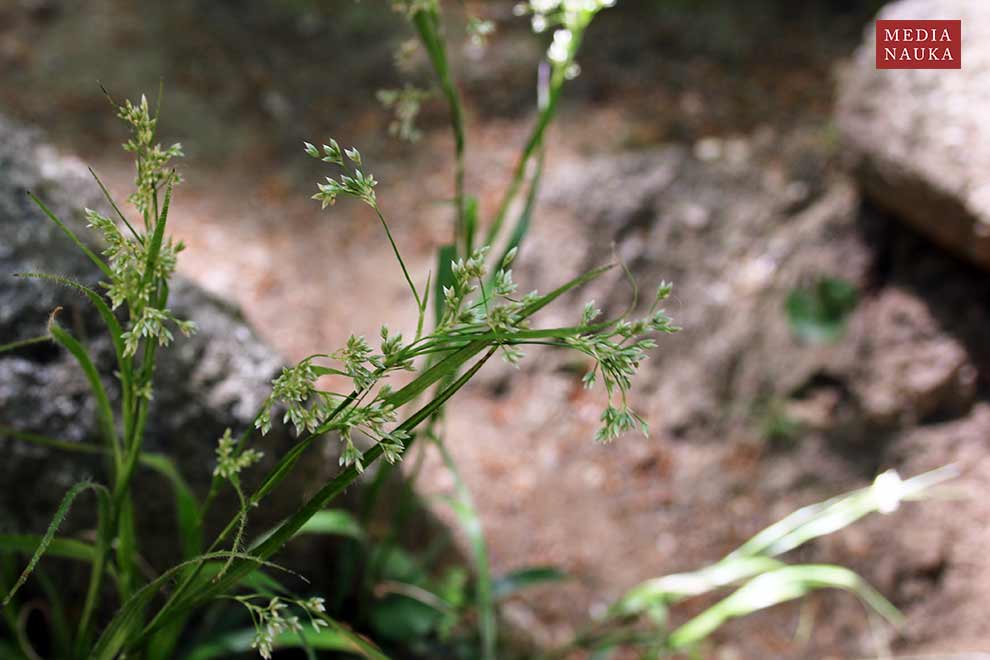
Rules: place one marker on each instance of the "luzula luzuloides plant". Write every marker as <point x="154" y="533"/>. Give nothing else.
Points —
<point x="477" y="313"/>
<point x="480" y="314"/>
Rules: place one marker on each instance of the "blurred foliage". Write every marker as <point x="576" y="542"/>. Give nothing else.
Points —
<point x="818" y="313"/>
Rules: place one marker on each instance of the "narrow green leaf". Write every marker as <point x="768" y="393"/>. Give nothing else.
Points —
<point x="21" y="343"/>
<point x="186" y="505"/>
<point x="671" y="589"/>
<point x="109" y="319"/>
<point x="442" y="369"/>
<point x="104" y="411"/>
<point x="75" y="239"/>
<point x="470" y="223"/>
<point x="446" y="254"/>
<point x="524" y="578"/>
<point x="428" y="25"/>
<point x="333" y="522"/>
<point x="59" y="622"/>
<point x="99" y="566"/>
<point x="467" y="515"/>
<point x="823" y="518"/>
<point x="533" y="144"/>
<point x="154" y="248"/>
<point x="45" y="441"/>
<point x="62" y="548"/>
<point x="522" y="225"/>
<point x="778" y="586"/>
<point x="113" y="205"/>
<point x="546" y="299"/>
<point x="49" y="537"/>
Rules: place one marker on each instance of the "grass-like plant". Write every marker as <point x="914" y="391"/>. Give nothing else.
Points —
<point x="477" y="313"/>
<point x="468" y="310"/>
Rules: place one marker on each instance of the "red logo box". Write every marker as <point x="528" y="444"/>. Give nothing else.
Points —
<point x="919" y="44"/>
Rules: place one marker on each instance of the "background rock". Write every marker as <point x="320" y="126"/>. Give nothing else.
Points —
<point x="919" y="137"/>
<point x="748" y="418"/>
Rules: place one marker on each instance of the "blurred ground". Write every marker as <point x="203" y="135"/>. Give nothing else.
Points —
<point x="741" y="202"/>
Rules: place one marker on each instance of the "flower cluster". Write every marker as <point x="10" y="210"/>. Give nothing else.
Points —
<point x="479" y="30"/>
<point x="136" y="274"/>
<point x="494" y="309"/>
<point x="152" y="159"/>
<point x="310" y="409"/>
<point x="359" y="361"/>
<point x="467" y="275"/>
<point x="618" y="354"/>
<point x="274" y="619"/>
<point x="229" y="462"/>
<point x="571" y="18"/>
<point x="358" y="185"/>
<point x="570" y="14"/>
<point x="370" y="420"/>
<point x="405" y="104"/>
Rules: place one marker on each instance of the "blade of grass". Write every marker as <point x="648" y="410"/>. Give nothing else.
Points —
<point x="113" y="205"/>
<point x="834" y="514"/>
<point x="446" y="255"/>
<point x="524" y="578"/>
<point x="776" y="587"/>
<point x="21" y="343"/>
<point x="57" y="619"/>
<point x="113" y="327"/>
<point x="104" y="411"/>
<point x="49" y="536"/>
<point x="671" y="589"/>
<point x="75" y="239"/>
<point x="186" y="505"/>
<point x="427" y="24"/>
<point x="111" y="322"/>
<point x="62" y="548"/>
<point x="467" y="515"/>
<point x="154" y="248"/>
<point x="522" y="225"/>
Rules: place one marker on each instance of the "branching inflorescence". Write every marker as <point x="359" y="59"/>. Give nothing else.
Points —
<point x="478" y="312"/>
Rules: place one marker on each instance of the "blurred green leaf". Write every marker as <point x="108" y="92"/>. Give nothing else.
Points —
<point x="778" y="586"/>
<point x="524" y="578"/>
<point x="467" y="515"/>
<point x="400" y="618"/>
<point x="446" y="255"/>
<point x="186" y="505"/>
<point x="818" y="314"/>
<point x="336" y="522"/>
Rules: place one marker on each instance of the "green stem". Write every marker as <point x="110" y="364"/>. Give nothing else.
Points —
<point x="427" y="23"/>
<point x="535" y="140"/>
<point x="395" y="249"/>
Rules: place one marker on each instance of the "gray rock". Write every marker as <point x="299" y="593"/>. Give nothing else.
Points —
<point x="216" y="379"/>
<point x="919" y="138"/>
